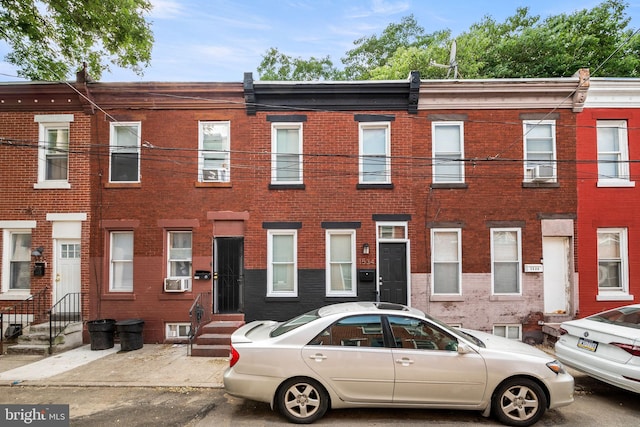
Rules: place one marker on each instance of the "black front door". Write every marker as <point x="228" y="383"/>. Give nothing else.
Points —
<point x="229" y="262"/>
<point x="393" y="272"/>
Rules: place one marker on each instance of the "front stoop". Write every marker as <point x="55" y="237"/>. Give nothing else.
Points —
<point x="35" y="340"/>
<point x="215" y="339"/>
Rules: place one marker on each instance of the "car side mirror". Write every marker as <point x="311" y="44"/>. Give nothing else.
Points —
<point x="464" y="348"/>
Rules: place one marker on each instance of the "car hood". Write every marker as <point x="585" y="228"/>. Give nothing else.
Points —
<point x="494" y="342"/>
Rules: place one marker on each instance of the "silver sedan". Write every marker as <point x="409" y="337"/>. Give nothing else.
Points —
<point x="366" y="354"/>
<point x="605" y="346"/>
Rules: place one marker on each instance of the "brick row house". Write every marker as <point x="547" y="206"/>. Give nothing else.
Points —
<point x="608" y="130"/>
<point x="268" y="199"/>
<point x="45" y="202"/>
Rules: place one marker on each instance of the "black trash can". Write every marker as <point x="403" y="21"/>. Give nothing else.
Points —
<point x="130" y="333"/>
<point x="101" y="332"/>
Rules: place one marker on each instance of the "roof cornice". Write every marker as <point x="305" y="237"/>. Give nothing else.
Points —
<point x="564" y="92"/>
<point x="607" y="92"/>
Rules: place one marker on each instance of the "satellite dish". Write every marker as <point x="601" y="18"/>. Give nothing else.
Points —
<point x="453" y="63"/>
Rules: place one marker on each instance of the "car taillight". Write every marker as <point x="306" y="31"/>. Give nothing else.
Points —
<point x="633" y="350"/>
<point x="562" y="331"/>
<point x="234" y="356"/>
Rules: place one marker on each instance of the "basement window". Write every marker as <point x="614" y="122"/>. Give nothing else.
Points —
<point x="177" y="331"/>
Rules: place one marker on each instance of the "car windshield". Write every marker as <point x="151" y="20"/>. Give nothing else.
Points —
<point x="294" y="323"/>
<point x="624" y="316"/>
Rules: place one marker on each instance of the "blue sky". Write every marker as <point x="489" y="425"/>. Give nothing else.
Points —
<point x="218" y="40"/>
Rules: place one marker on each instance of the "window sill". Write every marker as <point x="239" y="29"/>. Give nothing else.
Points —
<point x="619" y="183"/>
<point x="173" y="296"/>
<point x="504" y="297"/>
<point x="284" y="298"/>
<point x="52" y="185"/>
<point x="437" y="298"/>
<point x="450" y="185"/>
<point x="202" y="184"/>
<point x="14" y="296"/>
<point x="614" y="297"/>
<point x="374" y="187"/>
<point x="119" y="296"/>
<point x="531" y="184"/>
<point x="123" y="185"/>
<point x="273" y="186"/>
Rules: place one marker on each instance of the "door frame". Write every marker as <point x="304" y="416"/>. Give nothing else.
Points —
<point x="566" y="258"/>
<point x="399" y="239"/>
<point x="216" y="269"/>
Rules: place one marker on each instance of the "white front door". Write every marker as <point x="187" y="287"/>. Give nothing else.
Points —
<point x="556" y="253"/>
<point x="67" y="269"/>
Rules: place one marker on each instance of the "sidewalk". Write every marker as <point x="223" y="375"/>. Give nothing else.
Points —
<point x="153" y="365"/>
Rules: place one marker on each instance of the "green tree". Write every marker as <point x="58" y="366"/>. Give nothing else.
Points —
<point x="526" y="46"/>
<point x="522" y="46"/>
<point x="276" y="65"/>
<point x="50" y="39"/>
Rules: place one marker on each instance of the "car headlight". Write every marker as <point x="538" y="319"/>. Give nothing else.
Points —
<point x="556" y="367"/>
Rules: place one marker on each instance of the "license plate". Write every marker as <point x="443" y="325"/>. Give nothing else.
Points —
<point x="587" y="344"/>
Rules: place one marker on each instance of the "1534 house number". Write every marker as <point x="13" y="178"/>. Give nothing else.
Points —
<point x="367" y="261"/>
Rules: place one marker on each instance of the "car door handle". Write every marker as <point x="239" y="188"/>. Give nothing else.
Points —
<point x="405" y="361"/>
<point x="318" y="357"/>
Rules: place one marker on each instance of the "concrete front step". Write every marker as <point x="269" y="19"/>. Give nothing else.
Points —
<point x="215" y="337"/>
<point x="35" y="339"/>
<point x="204" y="350"/>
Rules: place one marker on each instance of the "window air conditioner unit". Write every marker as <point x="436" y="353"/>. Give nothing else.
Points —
<point x="542" y="173"/>
<point x="177" y="284"/>
<point x="216" y="174"/>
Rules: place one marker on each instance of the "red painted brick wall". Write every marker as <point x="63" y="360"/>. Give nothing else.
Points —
<point x="605" y="207"/>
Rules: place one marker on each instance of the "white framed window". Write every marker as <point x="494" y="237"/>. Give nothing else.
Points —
<point x="341" y="266"/>
<point x="375" y="153"/>
<point x="613" y="152"/>
<point x="214" y="160"/>
<point x="506" y="261"/>
<point x="286" y="153"/>
<point x="16" y="260"/>
<point x="512" y="332"/>
<point x="177" y="331"/>
<point x="448" y="152"/>
<point x="540" y="150"/>
<point x="179" y="254"/>
<point x="53" y="150"/>
<point x="446" y="261"/>
<point x="124" y="152"/>
<point x="613" y="264"/>
<point x="282" y="263"/>
<point x="121" y="261"/>
<point x="392" y="230"/>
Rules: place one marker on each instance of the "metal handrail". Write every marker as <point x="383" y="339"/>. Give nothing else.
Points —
<point x="62" y="314"/>
<point x="199" y="314"/>
<point x="34" y="307"/>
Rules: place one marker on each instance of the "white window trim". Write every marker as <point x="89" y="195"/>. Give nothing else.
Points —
<point x="435" y="125"/>
<point x="519" y="269"/>
<point x="275" y="153"/>
<point x="226" y="172"/>
<point x="370" y="125"/>
<point x="553" y="161"/>
<point x="434" y="231"/>
<point x="354" y="279"/>
<point x="623" y="167"/>
<point x="507" y="326"/>
<point x="46" y="121"/>
<point x="270" y="291"/>
<point x="170" y="260"/>
<point x="178" y="326"/>
<point x="111" y="287"/>
<point x="25" y="227"/>
<point x="112" y="145"/>
<point x="617" y="294"/>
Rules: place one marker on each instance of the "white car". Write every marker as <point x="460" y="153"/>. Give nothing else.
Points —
<point x="605" y="346"/>
<point x="367" y="354"/>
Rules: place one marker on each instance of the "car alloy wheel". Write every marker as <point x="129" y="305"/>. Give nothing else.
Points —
<point x="519" y="402"/>
<point x="302" y="400"/>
